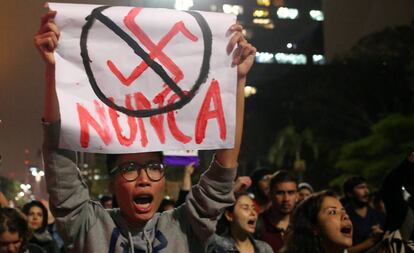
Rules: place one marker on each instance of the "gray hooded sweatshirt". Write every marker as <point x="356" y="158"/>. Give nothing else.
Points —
<point x="86" y="226"/>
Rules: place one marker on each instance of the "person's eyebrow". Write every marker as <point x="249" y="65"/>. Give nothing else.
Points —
<point x="328" y="207"/>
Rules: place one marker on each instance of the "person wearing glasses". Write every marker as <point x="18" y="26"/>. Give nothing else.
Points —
<point x="137" y="180"/>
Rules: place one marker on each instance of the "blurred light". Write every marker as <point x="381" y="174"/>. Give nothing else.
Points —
<point x="20" y="194"/>
<point x="260" y="13"/>
<point x="316" y="15"/>
<point x="289" y="45"/>
<point x="287" y="13"/>
<point x="25" y="187"/>
<point x="264" y="22"/>
<point x="41" y="173"/>
<point x="233" y="9"/>
<point x="96" y="177"/>
<point x="318" y="59"/>
<point x="213" y="7"/>
<point x="249" y="91"/>
<point x="264" y="57"/>
<point x="295" y="59"/>
<point x="263" y="2"/>
<point x="183" y="5"/>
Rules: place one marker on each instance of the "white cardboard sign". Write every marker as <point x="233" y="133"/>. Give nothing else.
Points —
<point x="133" y="79"/>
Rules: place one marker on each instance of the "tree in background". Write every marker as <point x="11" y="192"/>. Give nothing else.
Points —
<point x="288" y="148"/>
<point x="340" y="101"/>
<point x="374" y="155"/>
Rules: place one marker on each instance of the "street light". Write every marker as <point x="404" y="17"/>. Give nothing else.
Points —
<point x="38" y="174"/>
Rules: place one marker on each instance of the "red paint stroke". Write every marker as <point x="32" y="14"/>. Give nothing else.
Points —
<point x="155" y="51"/>
<point x="175" y="131"/>
<point x="157" y="121"/>
<point x="212" y="95"/>
<point x="113" y="114"/>
<point x="86" y="120"/>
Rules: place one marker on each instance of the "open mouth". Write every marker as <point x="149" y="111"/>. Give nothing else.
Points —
<point x="143" y="202"/>
<point x="346" y="230"/>
<point x="251" y="222"/>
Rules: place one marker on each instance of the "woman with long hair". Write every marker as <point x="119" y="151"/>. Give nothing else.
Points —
<point x="319" y="225"/>
<point x="237" y="226"/>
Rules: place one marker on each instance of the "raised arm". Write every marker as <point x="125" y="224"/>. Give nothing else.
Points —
<point x="214" y="191"/>
<point x="46" y="41"/>
<point x="69" y="195"/>
<point x="243" y="58"/>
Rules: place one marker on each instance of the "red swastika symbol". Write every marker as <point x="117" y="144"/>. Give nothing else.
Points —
<point x="155" y="51"/>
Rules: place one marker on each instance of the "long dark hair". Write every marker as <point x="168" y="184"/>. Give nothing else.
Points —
<point x="301" y="237"/>
<point x="26" y="209"/>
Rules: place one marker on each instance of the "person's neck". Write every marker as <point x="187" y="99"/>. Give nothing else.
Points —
<point x="279" y="219"/>
<point x="242" y="240"/>
<point x="360" y="208"/>
<point x="332" y="249"/>
<point x="134" y="224"/>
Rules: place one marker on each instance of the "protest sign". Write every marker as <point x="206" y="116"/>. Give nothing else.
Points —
<point x="133" y="79"/>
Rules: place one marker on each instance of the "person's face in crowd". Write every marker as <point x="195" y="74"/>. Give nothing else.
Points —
<point x="264" y="184"/>
<point x="244" y="216"/>
<point x="304" y="193"/>
<point x="360" y="193"/>
<point x="284" y="197"/>
<point x="107" y="204"/>
<point x="35" y="218"/>
<point x="139" y="199"/>
<point x="10" y="242"/>
<point x="334" y="226"/>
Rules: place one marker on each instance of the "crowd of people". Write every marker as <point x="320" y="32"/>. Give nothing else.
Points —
<point x="281" y="220"/>
<point x="266" y="211"/>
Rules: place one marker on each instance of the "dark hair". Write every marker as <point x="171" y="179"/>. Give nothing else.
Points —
<point x="104" y="198"/>
<point x="301" y="237"/>
<point x="256" y="176"/>
<point x="282" y="176"/>
<point x="223" y="225"/>
<point x="351" y="182"/>
<point x="26" y="209"/>
<point x="12" y="220"/>
<point x="111" y="160"/>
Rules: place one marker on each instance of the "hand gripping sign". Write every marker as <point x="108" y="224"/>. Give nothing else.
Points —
<point x="133" y="79"/>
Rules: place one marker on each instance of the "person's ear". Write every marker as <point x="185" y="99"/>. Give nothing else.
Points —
<point x="228" y="215"/>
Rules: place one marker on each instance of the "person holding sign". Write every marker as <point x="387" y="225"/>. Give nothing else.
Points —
<point x="137" y="180"/>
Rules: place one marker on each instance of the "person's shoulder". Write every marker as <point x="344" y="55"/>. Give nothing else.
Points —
<point x="218" y="243"/>
<point x="263" y="247"/>
<point x="33" y="248"/>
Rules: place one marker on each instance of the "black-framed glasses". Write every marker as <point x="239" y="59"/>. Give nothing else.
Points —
<point x="130" y="170"/>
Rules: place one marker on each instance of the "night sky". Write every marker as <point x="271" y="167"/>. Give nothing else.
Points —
<point x="21" y="75"/>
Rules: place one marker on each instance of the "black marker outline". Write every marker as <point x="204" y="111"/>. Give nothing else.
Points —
<point x="185" y="98"/>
